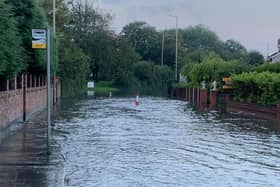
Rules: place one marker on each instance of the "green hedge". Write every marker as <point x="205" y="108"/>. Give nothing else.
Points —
<point x="274" y="68"/>
<point x="261" y="88"/>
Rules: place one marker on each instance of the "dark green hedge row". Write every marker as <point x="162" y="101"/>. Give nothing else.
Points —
<point x="261" y="88"/>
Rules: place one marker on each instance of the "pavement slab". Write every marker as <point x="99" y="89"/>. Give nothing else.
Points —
<point x="24" y="161"/>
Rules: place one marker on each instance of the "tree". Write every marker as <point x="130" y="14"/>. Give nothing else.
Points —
<point x="255" y="58"/>
<point x="200" y="37"/>
<point x="232" y="49"/>
<point x="125" y="58"/>
<point x="30" y="14"/>
<point x="11" y="51"/>
<point x="90" y="30"/>
<point x="62" y="13"/>
<point x="213" y="67"/>
<point x="74" y="68"/>
<point x="145" y="39"/>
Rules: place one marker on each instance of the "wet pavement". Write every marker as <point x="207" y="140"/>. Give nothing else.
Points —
<point x="24" y="161"/>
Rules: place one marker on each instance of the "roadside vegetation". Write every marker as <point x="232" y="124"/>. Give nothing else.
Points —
<point x="84" y="44"/>
<point x="104" y="88"/>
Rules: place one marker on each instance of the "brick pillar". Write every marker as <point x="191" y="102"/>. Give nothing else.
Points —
<point x="54" y="90"/>
<point x="203" y="99"/>
<point x="40" y="81"/>
<point x="213" y="99"/>
<point x="30" y="81"/>
<point x="198" y="96"/>
<point x="189" y="95"/>
<point x="278" y="111"/>
<point x="193" y="96"/>
<point x="35" y="80"/>
<point x="15" y="83"/>
<point x="22" y="81"/>
<point x="24" y="88"/>
<point x="8" y="85"/>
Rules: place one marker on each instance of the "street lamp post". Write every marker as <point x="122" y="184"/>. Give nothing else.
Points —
<point x="162" y="50"/>
<point x="176" y="56"/>
<point x="54" y="16"/>
<point x="53" y="58"/>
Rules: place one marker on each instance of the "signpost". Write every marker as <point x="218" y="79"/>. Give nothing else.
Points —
<point x="41" y="40"/>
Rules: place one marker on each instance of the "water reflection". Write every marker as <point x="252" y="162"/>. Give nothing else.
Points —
<point x="164" y="142"/>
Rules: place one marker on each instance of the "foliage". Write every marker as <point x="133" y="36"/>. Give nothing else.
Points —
<point x="104" y="88"/>
<point x="62" y="13"/>
<point x="30" y="14"/>
<point x="88" y="27"/>
<point x="255" y="58"/>
<point x="152" y="76"/>
<point x="200" y="37"/>
<point x="273" y="68"/>
<point x="10" y="43"/>
<point x="125" y="58"/>
<point x="262" y="88"/>
<point x="213" y="68"/>
<point x="74" y="68"/>
<point x="145" y="39"/>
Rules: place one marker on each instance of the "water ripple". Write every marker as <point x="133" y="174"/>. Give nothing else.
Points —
<point x="164" y="143"/>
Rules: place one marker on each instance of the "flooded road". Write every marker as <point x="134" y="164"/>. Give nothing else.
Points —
<point x="110" y="142"/>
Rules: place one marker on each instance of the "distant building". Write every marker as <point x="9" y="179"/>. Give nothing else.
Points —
<point x="275" y="57"/>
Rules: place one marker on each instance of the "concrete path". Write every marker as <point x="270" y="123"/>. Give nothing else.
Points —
<point x="24" y="161"/>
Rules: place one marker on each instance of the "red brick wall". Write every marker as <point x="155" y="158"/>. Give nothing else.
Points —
<point x="36" y="98"/>
<point x="11" y="102"/>
<point x="253" y="109"/>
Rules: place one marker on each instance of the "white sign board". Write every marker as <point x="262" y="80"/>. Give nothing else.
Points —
<point x="90" y="84"/>
<point x="39" y="38"/>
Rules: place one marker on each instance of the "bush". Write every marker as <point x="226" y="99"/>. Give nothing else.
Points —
<point x="261" y="88"/>
<point x="11" y="52"/>
<point x="73" y="68"/>
<point x="274" y="68"/>
<point x="152" y="77"/>
<point x="213" y="68"/>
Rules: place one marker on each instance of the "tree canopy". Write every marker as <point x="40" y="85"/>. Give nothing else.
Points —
<point x="11" y="51"/>
<point x="85" y="45"/>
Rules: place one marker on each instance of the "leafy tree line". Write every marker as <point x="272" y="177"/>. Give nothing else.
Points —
<point x="17" y="18"/>
<point x="87" y="48"/>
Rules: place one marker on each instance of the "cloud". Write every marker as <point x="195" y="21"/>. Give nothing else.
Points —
<point x="252" y="22"/>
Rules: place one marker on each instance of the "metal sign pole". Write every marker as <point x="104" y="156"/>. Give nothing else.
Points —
<point x="41" y="40"/>
<point x="49" y="89"/>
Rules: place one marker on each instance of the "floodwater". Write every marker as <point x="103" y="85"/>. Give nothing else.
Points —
<point x="110" y="142"/>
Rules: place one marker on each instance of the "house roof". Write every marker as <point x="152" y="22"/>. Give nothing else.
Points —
<point x="274" y="55"/>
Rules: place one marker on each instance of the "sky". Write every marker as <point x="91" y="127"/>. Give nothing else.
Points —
<point x="254" y="23"/>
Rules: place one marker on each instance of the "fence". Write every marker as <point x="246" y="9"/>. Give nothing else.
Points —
<point x="22" y="96"/>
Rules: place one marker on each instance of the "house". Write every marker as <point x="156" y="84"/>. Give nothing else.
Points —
<point x="275" y="57"/>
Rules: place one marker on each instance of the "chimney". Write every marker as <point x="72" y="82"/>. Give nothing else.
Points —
<point x="278" y="45"/>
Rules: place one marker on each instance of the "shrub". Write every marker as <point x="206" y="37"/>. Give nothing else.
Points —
<point x="274" y="68"/>
<point x="261" y="88"/>
<point x="213" y="68"/>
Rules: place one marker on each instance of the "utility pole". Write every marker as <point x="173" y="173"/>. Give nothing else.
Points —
<point x="176" y="68"/>
<point x="53" y="48"/>
<point x="176" y="55"/>
<point x="54" y="16"/>
<point x="162" y="50"/>
<point x="49" y="89"/>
